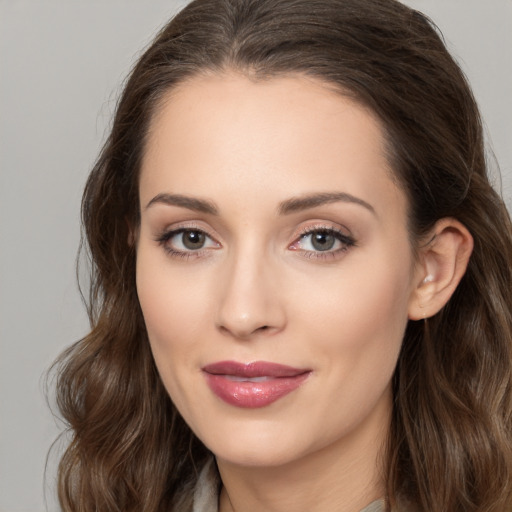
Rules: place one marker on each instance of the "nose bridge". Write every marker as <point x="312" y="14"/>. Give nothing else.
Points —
<point x="249" y="301"/>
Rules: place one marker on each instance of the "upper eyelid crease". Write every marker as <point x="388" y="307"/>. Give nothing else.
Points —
<point x="342" y="237"/>
<point x="347" y="242"/>
<point x="168" y="233"/>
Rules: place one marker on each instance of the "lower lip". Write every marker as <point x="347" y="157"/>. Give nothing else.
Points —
<point x="253" y="395"/>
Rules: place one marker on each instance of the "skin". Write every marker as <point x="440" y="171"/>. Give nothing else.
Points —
<point x="257" y="291"/>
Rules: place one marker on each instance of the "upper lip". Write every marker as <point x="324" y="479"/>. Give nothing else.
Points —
<point x="253" y="369"/>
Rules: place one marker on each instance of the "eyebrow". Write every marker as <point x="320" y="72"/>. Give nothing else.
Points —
<point x="287" y="207"/>
<point x="191" y="203"/>
<point x="296" y="204"/>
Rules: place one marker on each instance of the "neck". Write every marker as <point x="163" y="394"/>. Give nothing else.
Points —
<point x="346" y="475"/>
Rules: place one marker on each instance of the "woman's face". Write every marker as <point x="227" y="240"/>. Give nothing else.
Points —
<point x="274" y="268"/>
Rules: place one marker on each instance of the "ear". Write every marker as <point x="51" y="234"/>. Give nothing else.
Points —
<point x="442" y="262"/>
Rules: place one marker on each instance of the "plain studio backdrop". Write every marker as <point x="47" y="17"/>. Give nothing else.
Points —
<point x="61" y="66"/>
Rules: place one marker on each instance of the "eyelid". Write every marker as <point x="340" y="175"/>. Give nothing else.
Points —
<point x="341" y="233"/>
<point x="169" y="232"/>
<point x="346" y="239"/>
<point x="323" y="226"/>
<point x="186" y="225"/>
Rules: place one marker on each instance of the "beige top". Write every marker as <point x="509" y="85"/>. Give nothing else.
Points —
<point x="206" y="494"/>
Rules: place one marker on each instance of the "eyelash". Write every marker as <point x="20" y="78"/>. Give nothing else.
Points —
<point x="164" y="238"/>
<point x="346" y="241"/>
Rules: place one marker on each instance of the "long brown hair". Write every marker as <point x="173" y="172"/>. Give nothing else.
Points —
<point x="450" y="445"/>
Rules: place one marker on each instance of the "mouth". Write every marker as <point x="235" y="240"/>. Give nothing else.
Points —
<point x="252" y="385"/>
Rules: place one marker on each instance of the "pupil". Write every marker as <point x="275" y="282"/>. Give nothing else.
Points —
<point x="193" y="239"/>
<point x="323" y="241"/>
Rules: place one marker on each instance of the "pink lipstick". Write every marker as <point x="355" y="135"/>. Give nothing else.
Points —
<point x="252" y="385"/>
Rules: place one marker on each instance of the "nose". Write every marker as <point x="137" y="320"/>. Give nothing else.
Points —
<point x="250" y="302"/>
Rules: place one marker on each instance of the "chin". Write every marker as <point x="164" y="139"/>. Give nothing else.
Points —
<point x="258" y="447"/>
<point x="255" y="457"/>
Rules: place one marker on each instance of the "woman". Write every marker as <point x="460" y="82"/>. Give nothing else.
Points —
<point x="301" y="294"/>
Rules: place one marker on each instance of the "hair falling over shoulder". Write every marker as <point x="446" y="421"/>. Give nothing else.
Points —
<point x="450" y="445"/>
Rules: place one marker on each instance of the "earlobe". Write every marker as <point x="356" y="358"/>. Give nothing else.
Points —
<point x="441" y="264"/>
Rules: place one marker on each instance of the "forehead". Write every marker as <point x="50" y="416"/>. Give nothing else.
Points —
<point x="285" y="136"/>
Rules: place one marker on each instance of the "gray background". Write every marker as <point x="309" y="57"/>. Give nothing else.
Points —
<point x="61" y="65"/>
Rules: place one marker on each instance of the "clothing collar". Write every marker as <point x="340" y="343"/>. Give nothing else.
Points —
<point x="206" y="493"/>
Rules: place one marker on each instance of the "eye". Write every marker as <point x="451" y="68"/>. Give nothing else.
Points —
<point x="186" y="241"/>
<point x="322" y="240"/>
<point x="319" y="241"/>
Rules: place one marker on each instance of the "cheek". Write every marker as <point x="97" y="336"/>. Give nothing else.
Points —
<point x="171" y="306"/>
<point x="357" y="333"/>
<point x="361" y="315"/>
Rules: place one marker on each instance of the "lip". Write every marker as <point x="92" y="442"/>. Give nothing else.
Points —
<point x="253" y="385"/>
